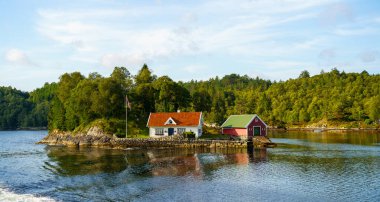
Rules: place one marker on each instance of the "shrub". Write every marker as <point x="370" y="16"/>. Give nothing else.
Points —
<point x="368" y="121"/>
<point x="189" y="134"/>
<point x="120" y="133"/>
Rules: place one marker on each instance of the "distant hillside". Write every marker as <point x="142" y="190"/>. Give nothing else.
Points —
<point x="24" y="110"/>
<point x="333" y="98"/>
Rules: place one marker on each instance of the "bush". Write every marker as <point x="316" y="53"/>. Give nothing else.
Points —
<point x="120" y="133"/>
<point x="368" y="121"/>
<point x="189" y="134"/>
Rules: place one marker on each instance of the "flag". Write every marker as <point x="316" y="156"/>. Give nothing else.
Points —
<point x="127" y="103"/>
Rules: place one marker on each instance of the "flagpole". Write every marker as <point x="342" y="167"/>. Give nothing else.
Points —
<point x="126" y="116"/>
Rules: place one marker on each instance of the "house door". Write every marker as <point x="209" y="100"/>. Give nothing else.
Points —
<point x="171" y="131"/>
<point x="256" y="131"/>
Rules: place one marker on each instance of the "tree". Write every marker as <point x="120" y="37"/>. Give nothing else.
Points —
<point x="304" y="74"/>
<point x="202" y="101"/>
<point x="143" y="93"/>
<point x="373" y="108"/>
<point x="122" y="76"/>
<point x="144" y="75"/>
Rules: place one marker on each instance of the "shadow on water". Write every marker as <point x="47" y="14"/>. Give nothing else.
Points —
<point x="66" y="161"/>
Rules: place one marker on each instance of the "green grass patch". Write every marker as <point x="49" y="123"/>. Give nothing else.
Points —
<point x="215" y="137"/>
<point x="115" y="127"/>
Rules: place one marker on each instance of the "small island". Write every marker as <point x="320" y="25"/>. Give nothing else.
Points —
<point x="92" y="111"/>
<point x="103" y="107"/>
<point x="166" y="130"/>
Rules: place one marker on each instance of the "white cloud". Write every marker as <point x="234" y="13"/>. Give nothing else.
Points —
<point x="277" y="30"/>
<point x="327" y="54"/>
<point x="356" y="31"/>
<point x="134" y="60"/>
<point x="17" y="56"/>
<point x="336" y="12"/>
<point x="285" y="64"/>
<point x="105" y="31"/>
<point x="369" y="56"/>
<point x="194" y="68"/>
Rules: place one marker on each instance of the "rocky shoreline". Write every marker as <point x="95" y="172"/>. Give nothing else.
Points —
<point x="95" y="137"/>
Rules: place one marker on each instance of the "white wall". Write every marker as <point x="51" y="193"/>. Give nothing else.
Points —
<point x="194" y="129"/>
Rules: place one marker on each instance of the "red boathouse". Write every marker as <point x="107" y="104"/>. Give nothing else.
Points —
<point x="244" y="126"/>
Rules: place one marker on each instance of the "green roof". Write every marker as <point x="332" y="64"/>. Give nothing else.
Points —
<point x="238" y="121"/>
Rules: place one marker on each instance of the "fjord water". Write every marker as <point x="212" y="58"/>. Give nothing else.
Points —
<point x="304" y="167"/>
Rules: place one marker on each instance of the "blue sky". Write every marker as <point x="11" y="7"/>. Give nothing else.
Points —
<point x="272" y="39"/>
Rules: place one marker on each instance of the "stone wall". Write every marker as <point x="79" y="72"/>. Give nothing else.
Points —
<point x="96" y="138"/>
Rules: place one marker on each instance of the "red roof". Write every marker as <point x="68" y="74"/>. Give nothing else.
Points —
<point x="180" y="118"/>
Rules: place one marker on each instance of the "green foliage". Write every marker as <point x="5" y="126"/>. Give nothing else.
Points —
<point x="373" y="107"/>
<point x="144" y="76"/>
<point x="332" y="96"/>
<point x="82" y="100"/>
<point x="304" y="74"/>
<point x="215" y="137"/>
<point x="14" y="108"/>
<point x="77" y="101"/>
<point x="25" y="110"/>
<point x="170" y="96"/>
<point x="189" y="134"/>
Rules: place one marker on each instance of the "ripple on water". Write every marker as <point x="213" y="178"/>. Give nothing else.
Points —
<point x="6" y="195"/>
<point x="297" y="170"/>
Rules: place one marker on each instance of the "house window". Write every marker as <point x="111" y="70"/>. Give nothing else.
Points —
<point x="181" y="130"/>
<point x="170" y="122"/>
<point x="159" y="131"/>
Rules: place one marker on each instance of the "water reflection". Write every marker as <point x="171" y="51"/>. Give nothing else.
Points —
<point x="369" y="138"/>
<point x="175" y="166"/>
<point x="153" y="162"/>
<point x="303" y="167"/>
<point x="82" y="161"/>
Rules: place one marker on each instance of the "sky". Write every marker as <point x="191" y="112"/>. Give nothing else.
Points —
<point x="198" y="39"/>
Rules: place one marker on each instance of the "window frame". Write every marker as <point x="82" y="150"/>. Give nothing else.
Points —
<point x="157" y="130"/>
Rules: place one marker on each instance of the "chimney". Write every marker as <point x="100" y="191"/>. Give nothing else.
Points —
<point x="178" y="111"/>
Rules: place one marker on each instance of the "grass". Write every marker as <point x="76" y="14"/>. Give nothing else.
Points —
<point x="215" y="137"/>
<point x="138" y="135"/>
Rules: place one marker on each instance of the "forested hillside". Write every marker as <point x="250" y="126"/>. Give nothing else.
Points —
<point x="24" y="110"/>
<point x="332" y="97"/>
<point x="339" y="98"/>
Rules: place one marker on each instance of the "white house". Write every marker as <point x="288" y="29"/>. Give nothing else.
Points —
<point x="167" y="124"/>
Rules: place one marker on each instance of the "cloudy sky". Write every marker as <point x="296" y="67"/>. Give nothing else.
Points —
<point x="272" y="39"/>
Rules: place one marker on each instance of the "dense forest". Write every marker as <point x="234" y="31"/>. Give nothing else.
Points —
<point x="331" y="98"/>
<point x="25" y="110"/>
<point x="327" y="98"/>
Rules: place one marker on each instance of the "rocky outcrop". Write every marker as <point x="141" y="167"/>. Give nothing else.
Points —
<point x="262" y="141"/>
<point x="95" y="137"/>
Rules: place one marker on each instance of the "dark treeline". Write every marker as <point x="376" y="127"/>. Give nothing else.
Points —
<point x="24" y="110"/>
<point x="78" y="100"/>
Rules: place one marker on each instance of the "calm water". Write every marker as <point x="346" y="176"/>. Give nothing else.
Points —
<point x="304" y="167"/>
